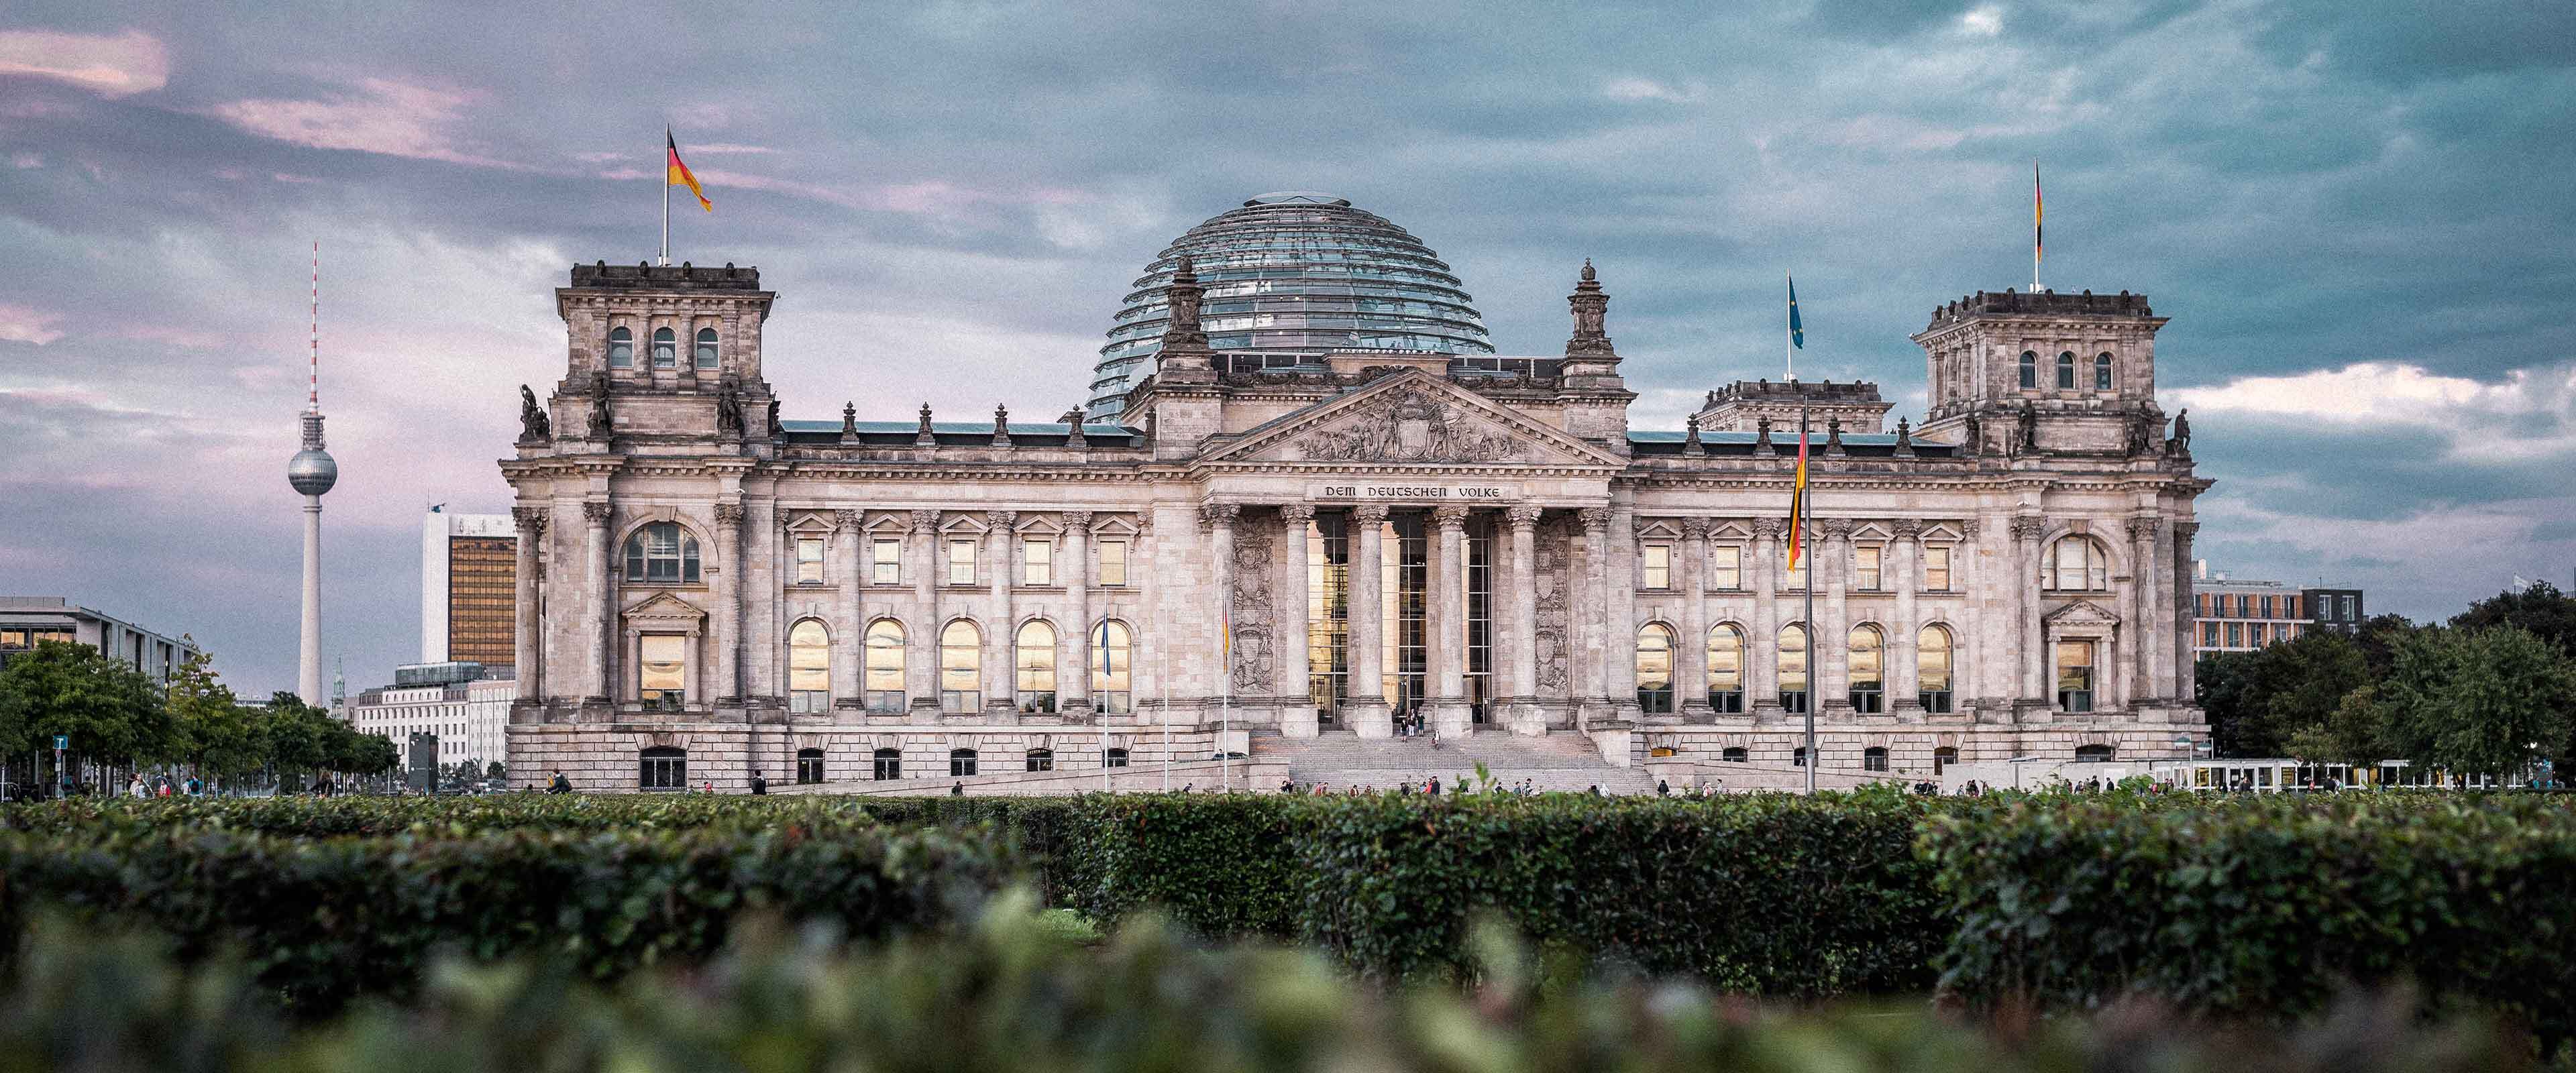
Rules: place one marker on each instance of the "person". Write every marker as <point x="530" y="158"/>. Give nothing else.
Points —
<point x="1663" y="789"/>
<point x="1434" y="788"/>
<point x="710" y="786"/>
<point x="1594" y="789"/>
<point x="196" y="786"/>
<point x="957" y="789"/>
<point x="560" y="785"/>
<point x="1287" y="786"/>
<point x="134" y="786"/>
<point x="759" y="785"/>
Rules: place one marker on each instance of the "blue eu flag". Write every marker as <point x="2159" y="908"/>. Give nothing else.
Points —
<point x="1797" y="330"/>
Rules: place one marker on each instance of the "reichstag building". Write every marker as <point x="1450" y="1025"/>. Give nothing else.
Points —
<point x="1306" y="500"/>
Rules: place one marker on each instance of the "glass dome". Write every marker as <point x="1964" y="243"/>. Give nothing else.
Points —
<point x="1289" y="276"/>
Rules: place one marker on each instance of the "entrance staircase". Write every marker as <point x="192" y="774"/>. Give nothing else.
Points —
<point x="1557" y="762"/>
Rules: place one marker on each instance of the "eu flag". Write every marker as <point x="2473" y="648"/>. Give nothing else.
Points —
<point x="1797" y="331"/>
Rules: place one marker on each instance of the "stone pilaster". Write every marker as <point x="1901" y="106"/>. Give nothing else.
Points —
<point x="1832" y="673"/>
<point x="2137" y="598"/>
<point x="1297" y="712"/>
<point x="1367" y="712"/>
<point x="1447" y="621"/>
<point x="1217" y="520"/>
<point x="1516" y="632"/>
<point x="600" y="590"/>
<point x="1690" y="676"/>
<point x="846" y="637"/>
<point x="1762" y="650"/>
<point x="1904" y="574"/>
<point x="2033" y="647"/>
<point x="1002" y="630"/>
<point x="530" y="639"/>
<point x="1589" y="617"/>
<point x="1075" y="658"/>
<point x="921" y="642"/>
<point x="726" y="592"/>
<point x="761" y="649"/>
<point x="2186" y="683"/>
<point x="1619" y="632"/>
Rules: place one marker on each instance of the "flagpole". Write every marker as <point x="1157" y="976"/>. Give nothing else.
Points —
<point x="1096" y="709"/>
<point x="666" y="213"/>
<point x="2037" y="211"/>
<point x="1807" y="507"/>
<point x="1788" y="357"/>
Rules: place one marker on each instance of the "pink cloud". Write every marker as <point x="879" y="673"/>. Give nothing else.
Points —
<point x="379" y="116"/>
<point x="110" y="66"/>
<point x="21" y="324"/>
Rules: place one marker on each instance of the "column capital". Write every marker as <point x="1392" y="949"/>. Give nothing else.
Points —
<point x="1969" y="527"/>
<point x="1523" y="516"/>
<point x="1767" y="528"/>
<point x="1907" y="528"/>
<point x="595" y="511"/>
<point x="1077" y="521"/>
<point x="846" y="519"/>
<point x="1835" y="528"/>
<point x="1297" y="513"/>
<point x="1595" y="519"/>
<point x="531" y="520"/>
<point x="1695" y="528"/>
<point x="1369" y="513"/>
<point x="1449" y="517"/>
<point x="2142" y="529"/>
<point x="924" y="521"/>
<point x="2028" y="527"/>
<point x="1212" y="515"/>
<point x="1001" y="520"/>
<point x="2184" y="531"/>
<point x="729" y="515"/>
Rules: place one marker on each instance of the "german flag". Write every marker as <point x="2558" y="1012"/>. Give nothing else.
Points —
<point x="679" y="174"/>
<point x="1798" y="498"/>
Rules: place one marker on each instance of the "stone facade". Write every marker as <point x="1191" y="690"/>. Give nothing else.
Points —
<point x="700" y="577"/>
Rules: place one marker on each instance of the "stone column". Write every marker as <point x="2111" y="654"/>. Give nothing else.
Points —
<point x="602" y="594"/>
<point x="1969" y="675"/>
<point x="921" y="641"/>
<point x="726" y="592"/>
<point x="1590" y="613"/>
<point x="1690" y="670"/>
<point x="1217" y="519"/>
<point x="1367" y="713"/>
<point x="760" y="592"/>
<point x="1447" y="621"/>
<point x="1075" y="659"/>
<point x="1619" y="630"/>
<point x="2186" y="684"/>
<point x="2026" y="531"/>
<point x="1833" y="561"/>
<point x="1002" y="632"/>
<point x="1762" y="650"/>
<point x="1903" y="572"/>
<point x="1516" y="631"/>
<point x="2135" y="599"/>
<point x="1297" y="712"/>
<point x="846" y="638"/>
<point x="530" y="626"/>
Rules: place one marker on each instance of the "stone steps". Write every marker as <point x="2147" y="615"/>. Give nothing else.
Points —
<point x="1565" y="763"/>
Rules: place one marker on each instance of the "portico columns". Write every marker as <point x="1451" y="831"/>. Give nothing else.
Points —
<point x="759" y="580"/>
<point x="1691" y="684"/>
<point x="1590" y="613"/>
<point x="596" y="553"/>
<point x="1073" y="639"/>
<point x="1367" y="687"/>
<point x="1218" y="520"/>
<point x="845" y="638"/>
<point x="1296" y="710"/>
<point x="727" y="592"/>
<point x="529" y="642"/>
<point x="1447" y="622"/>
<point x="1619" y="631"/>
<point x="1518" y="632"/>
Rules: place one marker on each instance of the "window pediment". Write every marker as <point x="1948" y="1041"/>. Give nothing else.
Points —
<point x="2082" y="613"/>
<point x="664" y="611"/>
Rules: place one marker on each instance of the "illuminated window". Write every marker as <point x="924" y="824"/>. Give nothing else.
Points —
<point x="961" y="668"/>
<point x="1037" y="562"/>
<point x="2075" y="676"/>
<point x="1868" y="686"/>
<point x="809" y="560"/>
<point x="1865" y="566"/>
<point x="1659" y="566"/>
<point x="1655" y="669"/>
<point x="1034" y="667"/>
<point x="1932" y="668"/>
<point x="961" y="562"/>
<point x="1726" y="567"/>
<point x="621" y="348"/>
<point x="886" y="559"/>
<point x="884" y="683"/>
<point x="662" y="670"/>
<point x="1726" y="669"/>
<point x="1113" y="563"/>
<point x="1110" y="660"/>
<point x="809" y="667"/>
<point x="1936" y="568"/>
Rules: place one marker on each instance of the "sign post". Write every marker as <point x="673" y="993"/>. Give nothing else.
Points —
<point x="62" y="776"/>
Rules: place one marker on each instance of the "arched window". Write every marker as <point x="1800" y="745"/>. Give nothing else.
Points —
<point x="2066" y="370"/>
<point x="1873" y="758"/>
<point x="1041" y="759"/>
<point x="1035" y="667"/>
<point x="1111" y="652"/>
<point x="666" y="349"/>
<point x="961" y="668"/>
<point x="1942" y="758"/>
<point x="809" y="767"/>
<point x="1868" y="678"/>
<point x="621" y="348"/>
<point x="809" y="667"/>
<point x="1793" y="668"/>
<point x="664" y="768"/>
<point x="961" y="762"/>
<point x="2076" y="564"/>
<point x="1932" y="668"/>
<point x="1734" y="754"/>
<point x="884" y="683"/>
<point x="889" y="764"/>
<point x="706" y="348"/>
<point x="2029" y="370"/>
<point x="1655" y="669"/>
<point x="1725" y="669"/>
<point x="662" y="554"/>
<point x="2093" y="752"/>
<point x="2102" y="371"/>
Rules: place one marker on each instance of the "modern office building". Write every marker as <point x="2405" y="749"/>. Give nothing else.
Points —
<point x="459" y="702"/>
<point x="26" y="620"/>
<point x="2240" y="615"/>
<point x="2334" y="608"/>
<point x="1310" y="540"/>
<point x="469" y="589"/>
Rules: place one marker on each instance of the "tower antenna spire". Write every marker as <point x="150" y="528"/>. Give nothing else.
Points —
<point x="313" y="381"/>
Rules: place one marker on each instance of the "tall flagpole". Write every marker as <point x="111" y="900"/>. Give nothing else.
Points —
<point x="1096" y="712"/>
<point x="666" y="196"/>
<point x="2037" y="213"/>
<point x="1788" y="357"/>
<point x="1806" y="507"/>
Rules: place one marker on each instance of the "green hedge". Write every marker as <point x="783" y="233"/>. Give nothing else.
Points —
<point x="326" y="919"/>
<point x="2265" y="906"/>
<point x="1003" y="997"/>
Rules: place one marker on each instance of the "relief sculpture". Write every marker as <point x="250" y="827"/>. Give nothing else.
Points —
<point x="1250" y="664"/>
<point x="1410" y="425"/>
<point x="1549" y="581"/>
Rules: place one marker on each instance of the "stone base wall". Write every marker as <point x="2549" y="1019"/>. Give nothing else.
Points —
<point x="606" y="757"/>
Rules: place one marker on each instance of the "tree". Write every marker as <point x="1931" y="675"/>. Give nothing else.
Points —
<point x="2541" y="609"/>
<point x="2357" y="732"/>
<point x="496" y="771"/>
<point x="297" y="735"/>
<point x="2257" y="700"/>
<point x="2378" y="638"/>
<point x="209" y="726"/>
<point x="111" y="712"/>
<point x="2475" y="701"/>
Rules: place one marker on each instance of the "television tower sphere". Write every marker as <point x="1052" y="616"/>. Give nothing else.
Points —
<point x="312" y="471"/>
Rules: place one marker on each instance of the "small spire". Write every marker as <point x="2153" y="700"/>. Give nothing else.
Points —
<point x="849" y="418"/>
<point x="1588" y="274"/>
<point x="1001" y="426"/>
<point x="922" y="437"/>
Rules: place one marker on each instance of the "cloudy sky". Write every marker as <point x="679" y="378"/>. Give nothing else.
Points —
<point x="2358" y="213"/>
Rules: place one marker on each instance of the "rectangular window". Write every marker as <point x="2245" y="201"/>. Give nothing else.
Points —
<point x="1936" y="568"/>
<point x="888" y="559"/>
<point x="809" y="560"/>
<point x="1794" y="578"/>
<point x="2350" y="612"/>
<point x="1726" y="567"/>
<point x="961" y="562"/>
<point x="2235" y="635"/>
<point x="1113" y="563"/>
<point x="14" y="639"/>
<point x="2209" y="635"/>
<point x="1659" y="566"/>
<point x="1037" y="562"/>
<point x="662" y="670"/>
<point x="2075" y="676"/>
<point x="1865" y="561"/>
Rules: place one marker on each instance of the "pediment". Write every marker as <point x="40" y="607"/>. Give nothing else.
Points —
<point x="2082" y="613"/>
<point x="1411" y="418"/>
<point x="665" y="609"/>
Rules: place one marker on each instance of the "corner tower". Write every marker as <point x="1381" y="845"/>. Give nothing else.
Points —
<point x="2079" y="369"/>
<point x="659" y="353"/>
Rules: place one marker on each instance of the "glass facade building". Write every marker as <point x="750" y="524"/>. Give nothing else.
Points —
<point x="1290" y="276"/>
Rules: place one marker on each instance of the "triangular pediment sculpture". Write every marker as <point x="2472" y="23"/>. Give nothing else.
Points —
<point x="1411" y="418"/>
<point x="666" y="610"/>
<point x="2082" y="613"/>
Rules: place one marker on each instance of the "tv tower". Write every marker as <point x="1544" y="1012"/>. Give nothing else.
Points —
<point x="312" y="472"/>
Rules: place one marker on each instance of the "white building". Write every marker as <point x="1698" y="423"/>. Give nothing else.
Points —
<point x="467" y="715"/>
